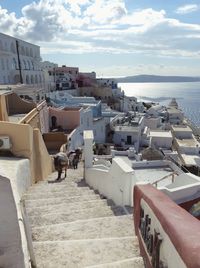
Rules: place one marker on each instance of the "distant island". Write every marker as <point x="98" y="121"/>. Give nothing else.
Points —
<point x="156" y="79"/>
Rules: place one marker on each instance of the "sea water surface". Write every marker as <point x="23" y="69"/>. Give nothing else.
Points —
<point x="186" y="94"/>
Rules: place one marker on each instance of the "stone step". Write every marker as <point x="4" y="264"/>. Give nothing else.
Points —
<point x="66" y="208"/>
<point x="54" y="218"/>
<point x="60" y="189"/>
<point x="59" y="200"/>
<point x="136" y="262"/>
<point x="86" y="229"/>
<point x="72" y="176"/>
<point x="83" y="253"/>
<point x="40" y="195"/>
<point x="52" y="186"/>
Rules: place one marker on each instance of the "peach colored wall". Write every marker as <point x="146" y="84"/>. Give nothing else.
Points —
<point x="3" y="109"/>
<point x="66" y="119"/>
<point x="18" y="106"/>
<point x="28" y="143"/>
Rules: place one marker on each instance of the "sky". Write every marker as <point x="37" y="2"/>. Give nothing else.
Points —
<point x="111" y="37"/>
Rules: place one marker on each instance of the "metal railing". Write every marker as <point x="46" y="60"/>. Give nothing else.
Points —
<point x="165" y="177"/>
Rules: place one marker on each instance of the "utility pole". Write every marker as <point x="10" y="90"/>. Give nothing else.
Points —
<point x="19" y="63"/>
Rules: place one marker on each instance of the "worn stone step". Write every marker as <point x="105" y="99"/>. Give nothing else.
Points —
<point x="52" y="186"/>
<point x="65" y="208"/>
<point x="136" y="262"/>
<point x="40" y="195"/>
<point x="86" y="229"/>
<point x="59" y="200"/>
<point x="60" y="189"/>
<point x="83" y="253"/>
<point x="53" y="218"/>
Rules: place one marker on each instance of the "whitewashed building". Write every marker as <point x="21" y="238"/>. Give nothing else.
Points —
<point x="128" y="130"/>
<point x="19" y="62"/>
<point x="161" y="139"/>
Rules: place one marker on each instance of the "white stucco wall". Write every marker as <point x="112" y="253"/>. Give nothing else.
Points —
<point x="115" y="182"/>
<point x="18" y="172"/>
<point x="183" y="189"/>
<point x="99" y="130"/>
<point x="163" y="142"/>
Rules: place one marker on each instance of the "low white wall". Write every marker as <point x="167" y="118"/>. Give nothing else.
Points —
<point x="115" y="182"/>
<point x="163" y="142"/>
<point x="183" y="193"/>
<point x="76" y="139"/>
<point x="18" y="172"/>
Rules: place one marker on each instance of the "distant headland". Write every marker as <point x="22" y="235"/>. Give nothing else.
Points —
<point x="156" y="79"/>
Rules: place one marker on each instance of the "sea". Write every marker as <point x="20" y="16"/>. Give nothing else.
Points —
<point x="186" y="94"/>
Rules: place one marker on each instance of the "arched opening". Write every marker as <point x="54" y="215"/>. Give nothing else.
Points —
<point x="25" y="65"/>
<point x="32" y="79"/>
<point x="16" y="79"/>
<point x="28" y="64"/>
<point x="1" y="45"/>
<point x="14" y="64"/>
<point x="27" y="79"/>
<point x="13" y="48"/>
<point x="53" y="122"/>
<point x="36" y="79"/>
<point x="27" y="52"/>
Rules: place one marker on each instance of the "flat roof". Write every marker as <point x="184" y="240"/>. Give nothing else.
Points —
<point x="16" y="117"/>
<point x="153" y="174"/>
<point x="181" y="128"/>
<point x="188" y="142"/>
<point x="191" y="160"/>
<point x="126" y="128"/>
<point x="164" y="134"/>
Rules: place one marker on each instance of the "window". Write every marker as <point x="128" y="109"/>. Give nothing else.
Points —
<point x="7" y="64"/>
<point x="25" y="66"/>
<point x="29" y="65"/>
<point x="14" y="64"/>
<point x="32" y="65"/>
<point x="2" y="64"/>
<point x="129" y="139"/>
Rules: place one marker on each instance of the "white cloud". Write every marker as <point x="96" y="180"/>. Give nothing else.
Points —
<point x="84" y="26"/>
<point x="187" y="9"/>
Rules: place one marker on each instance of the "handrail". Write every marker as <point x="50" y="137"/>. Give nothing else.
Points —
<point x="166" y="176"/>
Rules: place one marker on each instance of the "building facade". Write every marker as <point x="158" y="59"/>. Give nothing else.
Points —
<point x="20" y="62"/>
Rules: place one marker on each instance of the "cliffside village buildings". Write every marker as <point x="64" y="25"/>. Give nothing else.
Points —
<point x="79" y="101"/>
<point x="43" y="106"/>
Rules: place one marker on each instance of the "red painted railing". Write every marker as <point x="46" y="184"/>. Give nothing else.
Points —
<point x="182" y="228"/>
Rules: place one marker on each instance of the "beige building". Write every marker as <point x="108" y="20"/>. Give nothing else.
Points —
<point x="21" y="127"/>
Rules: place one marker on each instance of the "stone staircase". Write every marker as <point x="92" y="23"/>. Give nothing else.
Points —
<point x="72" y="226"/>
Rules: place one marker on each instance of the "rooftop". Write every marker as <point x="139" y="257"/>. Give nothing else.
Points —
<point x="16" y="118"/>
<point x="181" y="128"/>
<point x="188" y="142"/>
<point x="164" y="134"/>
<point x="127" y="128"/>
